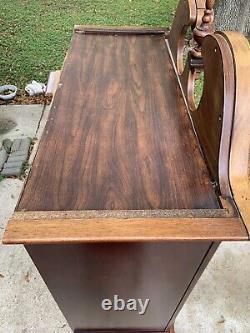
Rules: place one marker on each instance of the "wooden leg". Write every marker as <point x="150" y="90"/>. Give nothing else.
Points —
<point x="171" y="330"/>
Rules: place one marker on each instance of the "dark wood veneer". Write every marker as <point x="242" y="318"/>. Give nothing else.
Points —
<point x="118" y="135"/>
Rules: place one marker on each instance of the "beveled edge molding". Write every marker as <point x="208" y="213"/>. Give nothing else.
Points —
<point x="72" y="230"/>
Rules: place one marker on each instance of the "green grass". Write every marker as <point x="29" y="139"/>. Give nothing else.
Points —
<point x="198" y="89"/>
<point x="35" y="35"/>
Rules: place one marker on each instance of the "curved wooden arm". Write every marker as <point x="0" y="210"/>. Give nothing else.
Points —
<point x="222" y="120"/>
<point x="214" y="116"/>
<point x="239" y="166"/>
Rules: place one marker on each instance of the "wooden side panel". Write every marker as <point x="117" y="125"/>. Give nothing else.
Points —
<point x="240" y="146"/>
<point x="214" y="116"/>
<point x="118" y="135"/>
<point x="81" y="276"/>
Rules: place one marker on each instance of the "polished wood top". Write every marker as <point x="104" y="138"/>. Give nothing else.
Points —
<point x="118" y="135"/>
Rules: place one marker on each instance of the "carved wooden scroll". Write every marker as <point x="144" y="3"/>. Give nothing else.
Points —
<point x="203" y="27"/>
<point x="185" y="17"/>
<point x="197" y="15"/>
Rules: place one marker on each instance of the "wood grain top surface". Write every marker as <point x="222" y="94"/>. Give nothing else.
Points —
<point x="118" y="135"/>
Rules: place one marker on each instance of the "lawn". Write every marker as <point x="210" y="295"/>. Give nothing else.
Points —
<point x="35" y="35"/>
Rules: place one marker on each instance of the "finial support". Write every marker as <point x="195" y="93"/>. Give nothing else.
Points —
<point x="205" y="28"/>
